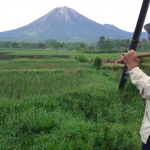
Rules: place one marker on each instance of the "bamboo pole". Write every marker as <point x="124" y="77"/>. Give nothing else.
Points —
<point x="121" y="62"/>
<point x="138" y="56"/>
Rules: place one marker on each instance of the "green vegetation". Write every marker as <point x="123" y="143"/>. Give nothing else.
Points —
<point x="51" y="101"/>
<point x="98" y="63"/>
<point x="81" y="58"/>
<point x="103" y="45"/>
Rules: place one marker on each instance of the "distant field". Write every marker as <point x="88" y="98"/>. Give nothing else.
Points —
<point x="51" y="101"/>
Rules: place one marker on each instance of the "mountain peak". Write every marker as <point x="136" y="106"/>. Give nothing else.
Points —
<point x="65" y="13"/>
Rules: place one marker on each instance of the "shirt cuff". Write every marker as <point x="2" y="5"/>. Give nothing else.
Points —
<point x="136" y="69"/>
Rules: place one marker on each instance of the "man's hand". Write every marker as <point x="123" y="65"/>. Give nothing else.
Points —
<point x="130" y="59"/>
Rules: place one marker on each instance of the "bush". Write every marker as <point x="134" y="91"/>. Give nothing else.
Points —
<point x="98" y="63"/>
<point x="81" y="58"/>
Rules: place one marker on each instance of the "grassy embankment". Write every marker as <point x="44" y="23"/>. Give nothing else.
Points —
<point x="53" y="102"/>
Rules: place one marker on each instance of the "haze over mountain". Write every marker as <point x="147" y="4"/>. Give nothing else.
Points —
<point x="65" y="24"/>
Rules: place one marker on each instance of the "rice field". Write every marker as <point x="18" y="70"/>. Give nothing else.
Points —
<point x="51" y="101"/>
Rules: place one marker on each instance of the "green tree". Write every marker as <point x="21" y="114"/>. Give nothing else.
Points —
<point x="54" y="44"/>
<point x="101" y="42"/>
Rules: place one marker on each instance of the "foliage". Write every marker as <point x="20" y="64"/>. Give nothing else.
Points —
<point x="54" y="44"/>
<point x="103" y="45"/>
<point x="98" y="63"/>
<point x="81" y="58"/>
<point x="117" y="45"/>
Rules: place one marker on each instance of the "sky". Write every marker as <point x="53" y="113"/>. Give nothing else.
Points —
<point x="120" y="13"/>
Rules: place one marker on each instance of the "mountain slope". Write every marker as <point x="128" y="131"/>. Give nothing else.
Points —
<point x="65" y="24"/>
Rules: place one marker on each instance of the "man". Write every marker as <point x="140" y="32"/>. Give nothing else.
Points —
<point x="142" y="82"/>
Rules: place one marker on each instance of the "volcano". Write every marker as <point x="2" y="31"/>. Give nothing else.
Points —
<point x="65" y="25"/>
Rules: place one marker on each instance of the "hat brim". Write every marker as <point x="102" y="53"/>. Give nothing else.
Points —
<point x="147" y="28"/>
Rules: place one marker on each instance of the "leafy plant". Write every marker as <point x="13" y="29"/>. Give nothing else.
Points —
<point x="98" y="63"/>
<point x="81" y="58"/>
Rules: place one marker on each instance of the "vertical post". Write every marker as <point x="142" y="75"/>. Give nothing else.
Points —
<point x="135" y="39"/>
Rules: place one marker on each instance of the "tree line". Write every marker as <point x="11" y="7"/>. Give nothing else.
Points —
<point x="101" y="46"/>
<point x="115" y="45"/>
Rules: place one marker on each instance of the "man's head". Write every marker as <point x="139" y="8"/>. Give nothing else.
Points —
<point x="147" y="29"/>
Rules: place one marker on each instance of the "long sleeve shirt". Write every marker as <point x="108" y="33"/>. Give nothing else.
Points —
<point x="142" y="82"/>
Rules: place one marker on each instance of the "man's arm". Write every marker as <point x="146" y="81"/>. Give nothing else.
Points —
<point x="138" y="77"/>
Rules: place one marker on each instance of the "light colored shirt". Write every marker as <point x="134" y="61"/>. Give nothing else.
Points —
<point x="142" y="82"/>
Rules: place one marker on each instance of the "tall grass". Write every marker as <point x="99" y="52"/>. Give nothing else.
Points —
<point x="67" y="108"/>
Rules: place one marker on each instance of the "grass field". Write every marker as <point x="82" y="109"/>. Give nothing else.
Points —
<point x="50" y="101"/>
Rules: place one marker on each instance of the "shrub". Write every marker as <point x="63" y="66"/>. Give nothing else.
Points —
<point x="81" y="58"/>
<point x="98" y="63"/>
